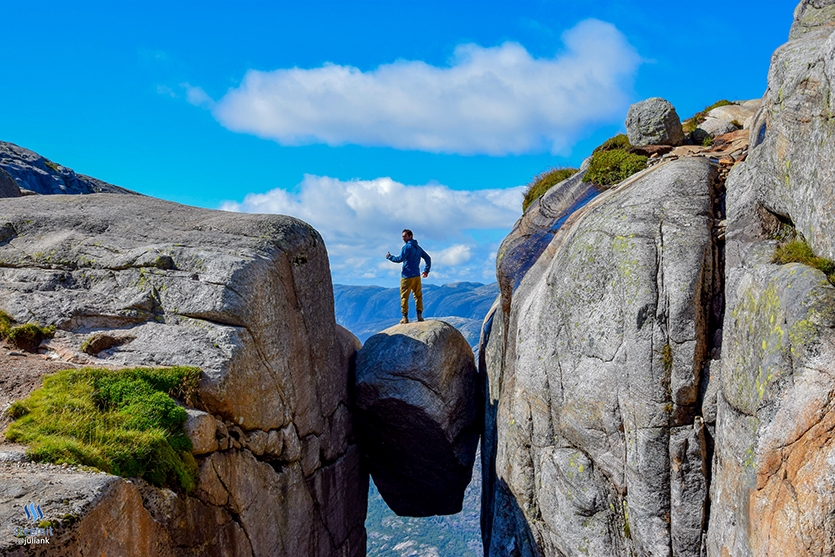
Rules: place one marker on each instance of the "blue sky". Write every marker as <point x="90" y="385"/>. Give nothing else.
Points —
<point x="363" y="117"/>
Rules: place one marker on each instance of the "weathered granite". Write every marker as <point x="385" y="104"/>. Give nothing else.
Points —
<point x="811" y="15"/>
<point x="247" y="299"/>
<point x="653" y="122"/>
<point x="592" y="443"/>
<point x="417" y="416"/>
<point x="775" y="451"/>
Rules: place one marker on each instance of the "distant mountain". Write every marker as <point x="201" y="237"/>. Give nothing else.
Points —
<point x="36" y="174"/>
<point x="367" y="310"/>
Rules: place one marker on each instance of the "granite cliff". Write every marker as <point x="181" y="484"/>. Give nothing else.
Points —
<point x="135" y="281"/>
<point x="658" y="380"/>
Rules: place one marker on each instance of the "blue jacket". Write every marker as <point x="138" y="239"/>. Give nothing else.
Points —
<point x="410" y="256"/>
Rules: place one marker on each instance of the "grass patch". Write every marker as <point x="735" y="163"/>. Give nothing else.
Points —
<point x="543" y="182"/>
<point x="798" y="251"/>
<point x="620" y="141"/>
<point x="610" y="167"/>
<point x="689" y="126"/>
<point x="121" y="421"/>
<point x="27" y="336"/>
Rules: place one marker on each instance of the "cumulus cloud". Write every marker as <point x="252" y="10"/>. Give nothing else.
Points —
<point x="361" y="220"/>
<point x="495" y="100"/>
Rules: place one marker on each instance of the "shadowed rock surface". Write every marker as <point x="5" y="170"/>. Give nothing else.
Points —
<point x="245" y="298"/>
<point x="417" y="412"/>
<point x="8" y="187"/>
<point x="37" y="174"/>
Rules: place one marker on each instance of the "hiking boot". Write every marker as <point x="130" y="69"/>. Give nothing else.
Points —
<point x="404" y="320"/>
<point x="420" y="316"/>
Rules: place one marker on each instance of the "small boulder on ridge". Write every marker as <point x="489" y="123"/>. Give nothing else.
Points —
<point x="653" y="122"/>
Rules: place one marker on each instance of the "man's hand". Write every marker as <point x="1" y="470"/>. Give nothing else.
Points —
<point x="425" y="274"/>
<point x="388" y="254"/>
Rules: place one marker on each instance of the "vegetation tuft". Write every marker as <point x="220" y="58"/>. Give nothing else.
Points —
<point x="121" y="421"/>
<point x="610" y="167"/>
<point x="689" y="126"/>
<point x="798" y="251"/>
<point x="620" y="141"/>
<point x="27" y="336"/>
<point x="543" y="182"/>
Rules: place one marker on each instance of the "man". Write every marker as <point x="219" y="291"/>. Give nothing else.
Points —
<point x="410" y="256"/>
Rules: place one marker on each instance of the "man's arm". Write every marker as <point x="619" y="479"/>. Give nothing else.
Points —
<point x="425" y="257"/>
<point x="398" y="258"/>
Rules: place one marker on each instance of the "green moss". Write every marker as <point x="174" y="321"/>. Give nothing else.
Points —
<point x="543" y="182"/>
<point x="620" y="141"/>
<point x="121" y="421"/>
<point x="51" y="165"/>
<point x="612" y="166"/>
<point x="27" y="336"/>
<point x="798" y="251"/>
<point x="690" y="125"/>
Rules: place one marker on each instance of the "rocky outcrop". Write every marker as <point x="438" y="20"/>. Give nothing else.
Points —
<point x="535" y="229"/>
<point x="630" y="408"/>
<point x="8" y="187"/>
<point x="653" y="122"/>
<point x="593" y="377"/>
<point x="811" y="15"/>
<point x="36" y="174"/>
<point x="417" y="414"/>
<point x="245" y="298"/>
<point x="773" y="471"/>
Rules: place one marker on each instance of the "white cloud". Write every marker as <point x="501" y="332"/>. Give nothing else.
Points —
<point x="454" y="255"/>
<point x="361" y="220"/>
<point x="495" y="100"/>
<point x="197" y="96"/>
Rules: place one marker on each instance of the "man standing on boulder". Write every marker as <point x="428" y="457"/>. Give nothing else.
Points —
<point x="410" y="256"/>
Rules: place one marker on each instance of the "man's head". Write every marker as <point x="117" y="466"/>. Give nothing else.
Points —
<point x="406" y="235"/>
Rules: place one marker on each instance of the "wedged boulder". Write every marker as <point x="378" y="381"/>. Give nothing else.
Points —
<point x="653" y="122"/>
<point x="248" y="300"/>
<point x="8" y="187"/>
<point x="592" y="442"/>
<point x="417" y="416"/>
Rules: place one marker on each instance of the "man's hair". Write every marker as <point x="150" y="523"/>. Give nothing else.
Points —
<point x="409" y="232"/>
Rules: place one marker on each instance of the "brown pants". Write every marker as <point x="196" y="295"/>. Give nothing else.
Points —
<point x="410" y="285"/>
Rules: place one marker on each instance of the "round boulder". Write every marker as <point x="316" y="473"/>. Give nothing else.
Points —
<point x="418" y="405"/>
<point x="653" y="122"/>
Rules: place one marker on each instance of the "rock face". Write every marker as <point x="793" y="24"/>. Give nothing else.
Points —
<point x="653" y="122"/>
<point x="8" y="187"/>
<point x="37" y="174"/>
<point x="655" y="384"/>
<point x="248" y="300"/>
<point x="417" y="411"/>
<point x="537" y="226"/>
<point x="811" y="15"/>
<point x="594" y="373"/>
<point x="775" y="450"/>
